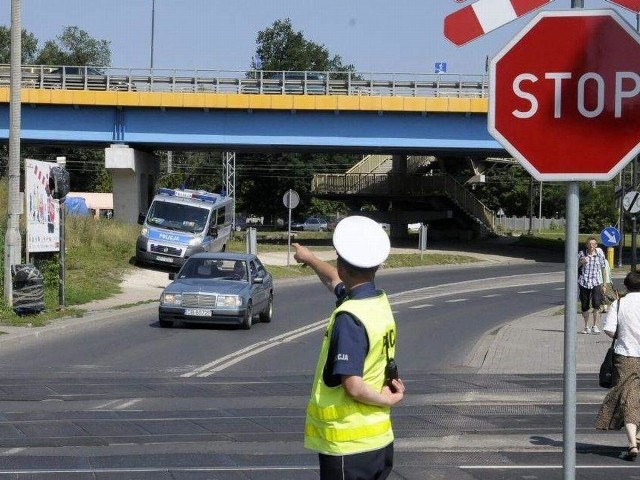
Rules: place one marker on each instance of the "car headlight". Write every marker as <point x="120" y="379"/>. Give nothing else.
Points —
<point x="195" y="241"/>
<point x="171" y="298"/>
<point x="145" y="232"/>
<point x="229" y="301"/>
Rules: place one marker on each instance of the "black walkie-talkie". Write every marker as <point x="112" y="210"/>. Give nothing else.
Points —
<point x="391" y="373"/>
<point x="391" y="369"/>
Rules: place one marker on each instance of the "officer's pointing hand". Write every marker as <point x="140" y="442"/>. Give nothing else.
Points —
<point x="302" y="254"/>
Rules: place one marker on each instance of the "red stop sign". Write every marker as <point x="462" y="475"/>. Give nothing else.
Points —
<point x="565" y="95"/>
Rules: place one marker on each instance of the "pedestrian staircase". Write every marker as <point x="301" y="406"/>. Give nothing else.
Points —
<point x="373" y="177"/>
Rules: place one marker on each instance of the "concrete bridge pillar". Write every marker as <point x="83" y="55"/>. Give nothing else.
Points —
<point x="399" y="164"/>
<point x="134" y="176"/>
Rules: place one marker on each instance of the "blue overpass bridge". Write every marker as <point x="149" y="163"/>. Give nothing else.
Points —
<point x="133" y="112"/>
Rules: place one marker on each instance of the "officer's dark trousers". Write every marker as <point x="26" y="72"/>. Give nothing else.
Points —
<point x="374" y="465"/>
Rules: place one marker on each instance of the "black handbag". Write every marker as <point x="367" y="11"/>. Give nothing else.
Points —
<point x="605" y="379"/>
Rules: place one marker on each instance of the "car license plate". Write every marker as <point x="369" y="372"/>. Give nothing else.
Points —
<point x="197" y="312"/>
<point x="164" y="259"/>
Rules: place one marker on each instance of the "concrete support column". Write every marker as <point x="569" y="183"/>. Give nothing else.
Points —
<point x="396" y="215"/>
<point x="399" y="164"/>
<point x="134" y="176"/>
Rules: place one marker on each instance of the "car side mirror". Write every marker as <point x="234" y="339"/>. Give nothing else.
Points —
<point x="172" y="276"/>
<point x="259" y="280"/>
<point x="141" y="217"/>
<point x="213" y="231"/>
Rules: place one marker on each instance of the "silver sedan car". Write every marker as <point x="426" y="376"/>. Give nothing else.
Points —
<point x="223" y="288"/>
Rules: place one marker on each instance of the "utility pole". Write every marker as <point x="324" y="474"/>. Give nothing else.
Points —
<point x="153" y="27"/>
<point x="13" y="240"/>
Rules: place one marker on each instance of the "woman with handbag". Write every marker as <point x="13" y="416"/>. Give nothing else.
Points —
<point x="621" y="406"/>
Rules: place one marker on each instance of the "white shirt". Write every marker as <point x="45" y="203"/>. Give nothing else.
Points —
<point x="628" y="323"/>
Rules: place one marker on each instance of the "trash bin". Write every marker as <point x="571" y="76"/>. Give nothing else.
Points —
<point x="28" y="289"/>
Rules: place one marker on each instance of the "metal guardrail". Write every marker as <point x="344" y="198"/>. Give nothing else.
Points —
<point x="250" y="82"/>
<point x="405" y="185"/>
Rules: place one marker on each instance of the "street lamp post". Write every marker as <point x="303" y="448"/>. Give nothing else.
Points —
<point x="153" y="26"/>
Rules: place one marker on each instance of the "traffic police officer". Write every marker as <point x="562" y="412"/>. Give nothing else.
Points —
<point x="348" y="416"/>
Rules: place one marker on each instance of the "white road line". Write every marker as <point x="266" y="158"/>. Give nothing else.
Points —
<point x="228" y="360"/>
<point x="491" y="295"/>
<point x="559" y="288"/>
<point x="12" y="451"/>
<point x="40" y="471"/>
<point x="424" y="305"/>
<point x="128" y="404"/>
<point x="107" y="404"/>
<point x="457" y="300"/>
<point x="541" y="467"/>
<point x="528" y="291"/>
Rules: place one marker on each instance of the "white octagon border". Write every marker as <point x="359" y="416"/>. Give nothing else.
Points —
<point x="492" y="96"/>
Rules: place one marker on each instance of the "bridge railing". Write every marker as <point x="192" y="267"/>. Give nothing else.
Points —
<point x="250" y="82"/>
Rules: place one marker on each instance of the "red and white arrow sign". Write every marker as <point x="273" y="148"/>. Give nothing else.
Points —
<point x="483" y="16"/>
<point x="633" y="5"/>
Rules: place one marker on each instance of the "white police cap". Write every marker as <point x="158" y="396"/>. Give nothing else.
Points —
<point x="361" y="242"/>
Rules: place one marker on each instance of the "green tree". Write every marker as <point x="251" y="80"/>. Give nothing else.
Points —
<point x="281" y="48"/>
<point x="263" y="179"/>
<point x="29" y="46"/>
<point x="597" y="206"/>
<point x="75" y="47"/>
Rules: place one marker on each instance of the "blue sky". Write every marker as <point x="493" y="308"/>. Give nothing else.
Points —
<point x="375" y="35"/>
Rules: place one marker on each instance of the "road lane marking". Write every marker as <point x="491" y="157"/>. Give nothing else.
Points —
<point x="456" y="300"/>
<point x="424" y="305"/>
<point x="400" y="298"/>
<point x="128" y="404"/>
<point x="541" y="467"/>
<point x="267" y="468"/>
<point x="230" y="359"/>
<point x="491" y="295"/>
<point x="527" y="291"/>
<point x="12" y="451"/>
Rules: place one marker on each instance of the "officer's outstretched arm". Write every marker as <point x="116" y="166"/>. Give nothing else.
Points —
<point x="327" y="273"/>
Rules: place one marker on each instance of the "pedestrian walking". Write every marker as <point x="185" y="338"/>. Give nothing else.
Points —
<point x="355" y="385"/>
<point x="621" y="406"/>
<point x="591" y="266"/>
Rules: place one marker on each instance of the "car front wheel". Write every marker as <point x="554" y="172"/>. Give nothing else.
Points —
<point x="248" y="317"/>
<point x="165" y="323"/>
<point x="267" y="313"/>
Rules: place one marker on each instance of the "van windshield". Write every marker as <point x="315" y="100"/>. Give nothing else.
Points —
<point x="177" y="216"/>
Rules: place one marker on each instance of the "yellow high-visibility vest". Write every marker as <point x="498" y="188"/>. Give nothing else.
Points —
<point x="337" y="424"/>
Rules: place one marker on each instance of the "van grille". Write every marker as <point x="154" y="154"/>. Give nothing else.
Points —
<point x="198" y="300"/>
<point x="166" y="250"/>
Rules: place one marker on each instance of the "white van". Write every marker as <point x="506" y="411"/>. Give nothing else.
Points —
<point x="180" y="223"/>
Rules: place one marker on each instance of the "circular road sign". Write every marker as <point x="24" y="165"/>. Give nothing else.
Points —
<point x="631" y="202"/>
<point x="610" y="236"/>
<point x="565" y="93"/>
<point x="291" y="199"/>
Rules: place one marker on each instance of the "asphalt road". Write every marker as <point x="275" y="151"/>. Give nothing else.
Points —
<point x="126" y="399"/>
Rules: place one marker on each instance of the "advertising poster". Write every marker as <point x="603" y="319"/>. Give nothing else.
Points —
<point x="43" y="211"/>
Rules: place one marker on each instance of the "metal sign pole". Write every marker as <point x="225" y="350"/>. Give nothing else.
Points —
<point x="289" y="233"/>
<point x="290" y="200"/>
<point x="570" y="309"/>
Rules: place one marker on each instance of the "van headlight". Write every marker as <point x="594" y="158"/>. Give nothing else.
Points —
<point x="145" y="232"/>
<point x="195" y="241"/>
<point x="171" y="298"/>
<point x="229" y="301"/>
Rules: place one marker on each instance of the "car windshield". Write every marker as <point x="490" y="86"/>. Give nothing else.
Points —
<point x="177" y="216"/>
<point x="207" y="268"/>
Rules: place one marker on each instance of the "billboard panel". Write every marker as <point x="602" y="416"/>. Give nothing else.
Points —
<point x="43" y="211"/>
